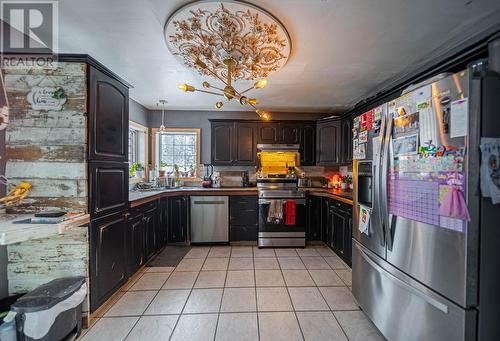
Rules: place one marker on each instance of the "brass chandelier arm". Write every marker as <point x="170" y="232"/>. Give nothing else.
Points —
<point x="210" y="92"/>
<point x="247" y="90"/>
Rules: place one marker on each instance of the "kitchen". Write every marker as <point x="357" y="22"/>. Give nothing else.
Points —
<point x="242" y="174"/>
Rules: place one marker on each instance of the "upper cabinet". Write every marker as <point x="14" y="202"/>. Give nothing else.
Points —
<point x="234" y="142"/>
<point x="346" y="137"/>
<point x="108" y="118"/>
<point x="245" y="143"/>
<point x="268" y="132"/>
<point x="308" y="145"/>
<point x="328" y="143"/>
<point x="289" y="133"/>
<point x="222" y="142"/>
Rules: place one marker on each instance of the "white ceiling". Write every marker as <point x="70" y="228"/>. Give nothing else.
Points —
<point x="343" y="50"/>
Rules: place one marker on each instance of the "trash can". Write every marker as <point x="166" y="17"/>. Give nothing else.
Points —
<point x="51" y="312"/>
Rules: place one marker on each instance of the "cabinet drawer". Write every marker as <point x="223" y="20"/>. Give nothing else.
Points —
<point x="243" y="232"/>
<point x="150" y="206"/>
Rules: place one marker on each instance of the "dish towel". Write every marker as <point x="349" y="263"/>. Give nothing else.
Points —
<point x="290" y="212"/>
<point x="275" y="213"/>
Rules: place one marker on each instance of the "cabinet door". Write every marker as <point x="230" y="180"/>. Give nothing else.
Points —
<point x="222" y="143"/>
<point x="326" y="224"/>
<point x="339" y="223"/>
<point x="289" y="133"/>
<point x="108" y="118"/>
<point x="245" y="143"/>
<point x="268" y="132"/>
<point x="163" y="225"/>
<point x="135" y="243"/>
<point x="177" y="220"/>
<point x="149" y="233"/>
<point x="314" y="218"/>
<point x="108" y="187"/>
<point x="328" y="140"/>
<point x="308" y="145"/>
<point x="108" y="262"/>
<point x="346" y="144"/>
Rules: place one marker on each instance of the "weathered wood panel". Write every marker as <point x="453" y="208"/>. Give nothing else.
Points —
<point x="39" y="261"/>
<point x="48" y="148"/>
<point x="46" y="153"/>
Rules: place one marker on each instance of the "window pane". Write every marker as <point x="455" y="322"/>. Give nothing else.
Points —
<point x="180" y="148"/>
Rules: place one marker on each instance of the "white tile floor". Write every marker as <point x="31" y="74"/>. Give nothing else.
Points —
<point x="240" y="293"/>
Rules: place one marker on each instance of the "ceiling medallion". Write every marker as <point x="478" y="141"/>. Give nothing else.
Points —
<point x="228" y="40"/>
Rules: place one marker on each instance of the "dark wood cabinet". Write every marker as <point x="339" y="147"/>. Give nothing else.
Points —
<point x="243" y="218"/>
<point x="108" y="117"/>
<point x="108" y="183"/>
<point x="308" y="145"/>
<point x="135" y="243"/>
<point x="337" y="228"/>
<point x="150" y="225"/>
<point x="222" y="143"/>
<point x="163" y="223"/>
<point x="314" y="218"/>
<point x="289" y="133"/>
<point x="268" y="132"/>
<point x="328" y="143"/>
<point x="108" y="261"/>
<point x="346" y="138"/>
<point x="234" y="142"/>
<point x="245" y="143"/>
<point x="178" y="219"/>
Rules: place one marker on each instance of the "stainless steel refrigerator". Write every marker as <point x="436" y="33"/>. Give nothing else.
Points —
<point x="416" y="273"/>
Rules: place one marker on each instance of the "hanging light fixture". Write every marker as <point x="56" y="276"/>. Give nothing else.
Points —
<point x="229" y="41"/>
<point x="162" y="129"/>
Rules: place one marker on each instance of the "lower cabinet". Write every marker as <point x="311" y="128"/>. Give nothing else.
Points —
<point x="243" y="218"/>
<point x="337" y="228"/>
<point x="135" y="242"/>
<point x="178" y="219"/>
<point x="314" y="218"/>
<point x="108" y="264"/>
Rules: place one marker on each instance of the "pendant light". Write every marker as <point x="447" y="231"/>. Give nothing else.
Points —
<point x="162" y="129"/>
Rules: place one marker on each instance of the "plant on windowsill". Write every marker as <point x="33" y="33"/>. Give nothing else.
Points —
<point x="177" y="181"/>
<point x="163" y="169"/>
<point x="136" y="170"/>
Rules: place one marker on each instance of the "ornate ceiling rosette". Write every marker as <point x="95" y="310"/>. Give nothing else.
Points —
<point x="204" y="35"/>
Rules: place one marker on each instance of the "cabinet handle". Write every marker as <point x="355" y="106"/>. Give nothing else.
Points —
<point x="126" y="215"/>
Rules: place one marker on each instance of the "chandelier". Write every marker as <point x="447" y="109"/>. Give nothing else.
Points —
<point x="229" y="41"/>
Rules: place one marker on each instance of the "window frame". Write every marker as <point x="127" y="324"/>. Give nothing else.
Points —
<point x="155" y="153"/>
<point x="145" y="131"/>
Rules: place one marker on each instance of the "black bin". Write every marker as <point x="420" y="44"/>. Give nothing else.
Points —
<point x="51" y="312"/>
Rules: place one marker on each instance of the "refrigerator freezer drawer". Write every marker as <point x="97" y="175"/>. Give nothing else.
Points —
<point x="403" y="309"/>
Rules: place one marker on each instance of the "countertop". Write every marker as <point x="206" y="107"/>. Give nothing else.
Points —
<point x="11" y="233"/>
<point x="138" y="198"/>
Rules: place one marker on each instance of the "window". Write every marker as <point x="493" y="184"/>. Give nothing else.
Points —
<point x="137" y="151"/>
<point x="179" y="147"/>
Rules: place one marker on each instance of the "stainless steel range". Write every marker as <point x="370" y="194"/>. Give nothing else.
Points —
<point x="282" y="205"/>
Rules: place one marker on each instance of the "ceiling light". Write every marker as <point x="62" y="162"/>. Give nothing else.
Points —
<point x="261" y="83"/>
<point x="229" y="41"/>
<point x="162" y="128"/>
<point x="185" y="87"/>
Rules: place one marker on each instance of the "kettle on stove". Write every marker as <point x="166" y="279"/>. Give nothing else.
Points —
<point x="207" y="179"/>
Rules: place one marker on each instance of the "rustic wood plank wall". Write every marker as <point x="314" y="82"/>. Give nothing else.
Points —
<point x="39" y="261"/>
<point x="48" y="148"/>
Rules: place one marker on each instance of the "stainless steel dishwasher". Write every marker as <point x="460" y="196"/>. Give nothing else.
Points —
<point x="209" y="219"/>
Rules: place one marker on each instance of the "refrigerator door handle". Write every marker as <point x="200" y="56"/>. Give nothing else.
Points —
<point x="435" y="303"/>
<point x="383" y="181"/>
<point x="377" y="173"/>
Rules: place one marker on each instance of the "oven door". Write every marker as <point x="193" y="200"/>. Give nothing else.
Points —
<point x="275" y="232"/>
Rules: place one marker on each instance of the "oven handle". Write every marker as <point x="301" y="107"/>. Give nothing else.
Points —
<point x="268" y="201"/>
